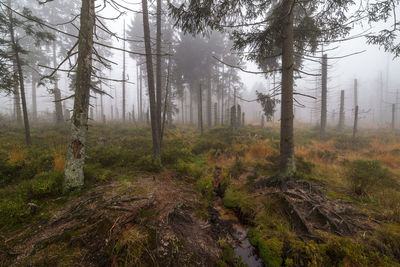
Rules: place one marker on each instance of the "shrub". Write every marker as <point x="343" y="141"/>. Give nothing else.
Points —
<point x="172" y="153"/>
<point x="45" y="184"/>
<point x="365" y="175"/>
<point x="148" y="163"/>
<point x="12" y="210"/>
<point x="205" y="144"/>
<point x="189" y="169"/>
<point x="205" y="186"/>
<point x="237" y="168"/>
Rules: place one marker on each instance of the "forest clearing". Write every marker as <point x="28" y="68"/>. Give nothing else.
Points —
<point x="199" y="133"/>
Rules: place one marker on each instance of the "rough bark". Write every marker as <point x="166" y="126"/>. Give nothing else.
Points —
<point x="209" y="103"/>
<point x="150" y="77"/>
<point x="141" y="94"/>
<point x="287" y="163"/>
<point x="17" y="97"/>
<point x="123" y="80"/>
<point x="34" y="100"/>
<point x="341" y="112"/>
<point x="222" y="95"/>
<point x="239" y="116"/>
<point x="20" y="76"/>
<point x="57" y="92"/>
<point x="355" y="122"/>
<point x="393" y="116"/>
<point x="243" y="121"/>
<point x="158" y="69"/>
<point x="200" y="110"/>
<point x="324" y="93"/>
<point x="191" y="105"/>
<point x="76" y="151"/>
<point x="233" y="118"/>
<point x="215" y="114"/>
<point x="138" y="89"/>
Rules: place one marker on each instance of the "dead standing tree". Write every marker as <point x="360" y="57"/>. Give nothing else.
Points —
<point x="75" y="160"/>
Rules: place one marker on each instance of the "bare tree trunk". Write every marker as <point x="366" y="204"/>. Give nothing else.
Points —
<point x="23" y="99"/>
<point x="182" y="110"/>
<point x="150" y="77"/>
<point x="18" y="64"/>
<point x="287" y="162"/>
<point x="57" y="92"/>
<point x="123" y="80"/>
<point x="393" y="116"/>
<point x="76" y="151"/>
<point x="138" y="89"/>
<point x="341" y="113"/>
<point x="34" y="103"/>
<point x="191" y="105"/>
<point x="233" y="118"/>
<point x="200" y="110"/>
<point x="238" y="117"/>
<point x="17" y="97"/>
<point x="141" y="94"/>
<point x="324" y="93"/>
<point x="158" y="69"/>
<point x="355" y="92"/>
<point x="222" y="95"/>
<point x="209" y="103"/>
<point x="215" y="114"/>
<point x="355" y="122"/>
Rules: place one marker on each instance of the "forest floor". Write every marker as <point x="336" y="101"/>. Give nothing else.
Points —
<point x="213" y="202"/>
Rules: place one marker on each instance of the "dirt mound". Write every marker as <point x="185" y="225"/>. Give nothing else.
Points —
<point x="109" y="224"/>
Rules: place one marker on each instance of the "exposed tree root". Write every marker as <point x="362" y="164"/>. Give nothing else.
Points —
<point x="308" y="209"/>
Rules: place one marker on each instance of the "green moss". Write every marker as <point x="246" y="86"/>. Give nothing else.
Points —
<point x="270" y="249"/>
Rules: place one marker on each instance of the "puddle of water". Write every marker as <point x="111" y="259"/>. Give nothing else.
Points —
<point x="245" y="249"/>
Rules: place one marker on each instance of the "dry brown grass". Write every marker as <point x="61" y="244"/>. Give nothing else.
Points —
<point x="17" y="155"/>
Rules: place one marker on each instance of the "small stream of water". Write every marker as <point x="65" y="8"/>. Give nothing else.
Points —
<point x="244" y="249"/>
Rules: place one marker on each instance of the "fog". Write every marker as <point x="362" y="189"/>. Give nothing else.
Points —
<point x="375" y="70"/>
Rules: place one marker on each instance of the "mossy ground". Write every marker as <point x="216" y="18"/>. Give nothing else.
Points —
<point x="122" y="155"/>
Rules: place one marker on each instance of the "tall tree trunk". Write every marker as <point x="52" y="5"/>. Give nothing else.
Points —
<point x="222" y="95"/>
<point x="191" y="105"/>
<point x="182" y="109"/>
<point x="287" y="162"/>
<point x="200" y="111"/>
<point x="57" y="92"/>
<point x="138" y="89"/>
<point x="341" y="112"/>
<point x="355" y="127"/>
<point x="141" y="94"/>
<point x="209" y="103"/>
<point x="103" y="116"/>
<point x="158" y="68"/>
<point x="324" y="93"/>
<point x="34" y="102"/>
<point x="150" y="77"/>
<point x="393" y="116"/>
<point x="17" y="97"/>
<point x="23" y="99"/>
<point x="215" y="114"/>
<point x="123" y="80"/>
<point x="355" y="93"/>
<point x="76" y="151"/>
<point x="18" y="64"/>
